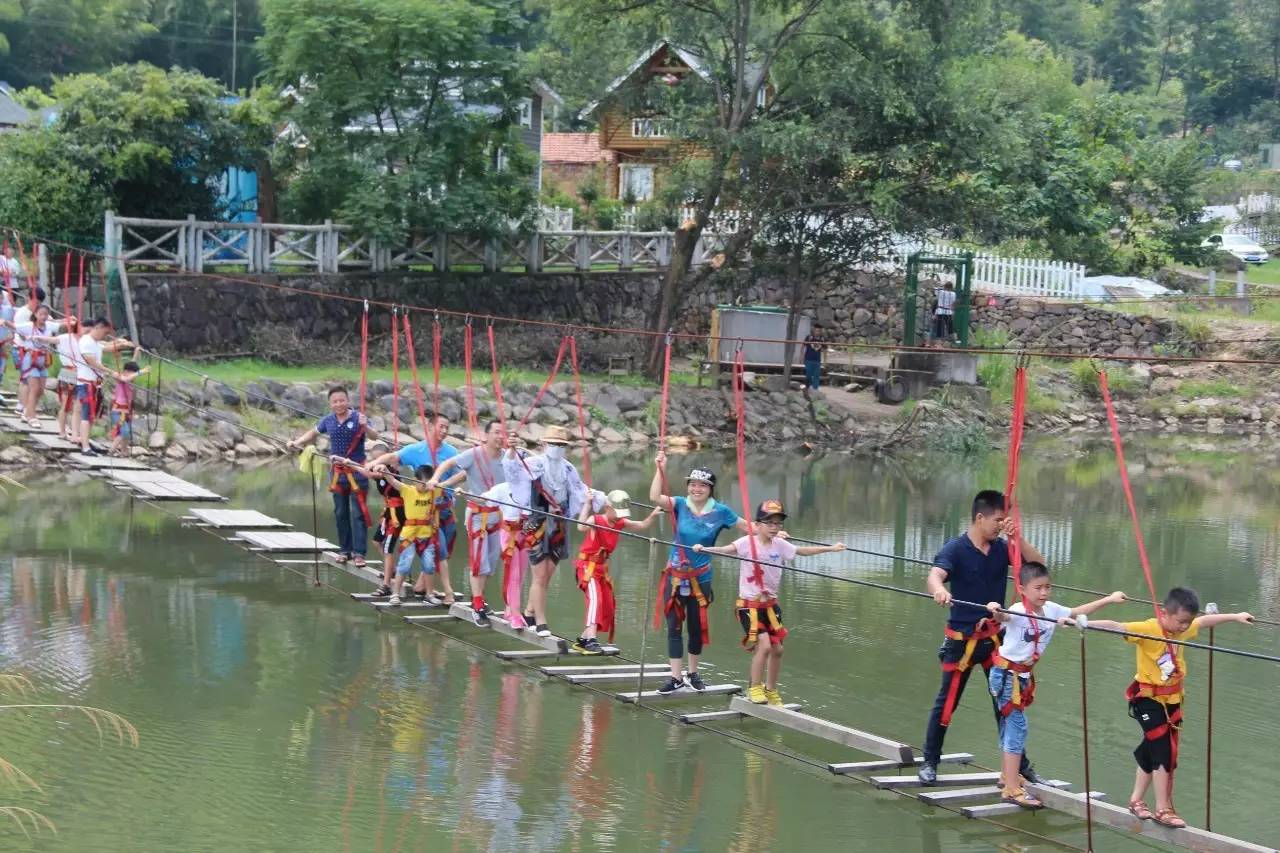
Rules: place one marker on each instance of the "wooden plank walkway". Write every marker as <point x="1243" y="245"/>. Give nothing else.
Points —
<point x="79" y="460"/>
<point x="876" y="766"/>
<point x="685" y="694"/>
<point x="726" y="716"/>
<point x="13" y="423"/>
<point x="528" y="635"/>
<point x="52" y="442"/>
<point x="277" y="542"/>
<point x="240" y="519"/>
<point x="633" y="676"/>
<point x="859" y="740"/>
<point x="162" y="486"/>
<point x="945" y="780"/>
<point x="590" y="668"/>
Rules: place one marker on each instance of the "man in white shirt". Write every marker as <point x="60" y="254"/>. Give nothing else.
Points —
<point x="89" y="372"/>
<point x="944" y="327"/>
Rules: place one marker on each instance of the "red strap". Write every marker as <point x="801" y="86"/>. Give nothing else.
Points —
<point x="80" y="296"/>
<point x="740" y="409"/>
<point x="467" y="345"/>
<point x="1128" y="496"/>
<point x="582" y="418"/>
<point x="1017" y="425"/>
<point x="497" y="389"/>
<point x="8" y="273"/>
<point x="427" y="430"/>
<point x="66" y="286"/>
<point x="395" y="376"/>
<point x="682" y="556"/>
<point x="435" y="368"/>
<point x="364" y="356"/>
<point x="551" y="377"/>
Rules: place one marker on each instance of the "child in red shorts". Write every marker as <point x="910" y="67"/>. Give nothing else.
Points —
<point x="593" y="563"/>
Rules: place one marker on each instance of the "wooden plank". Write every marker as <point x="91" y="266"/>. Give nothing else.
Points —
<point x="243" y="519"/>
<point x="1001" y="809"/>
<point x="525" y="654"/>
<point x="105" y="462"/>
<point x="726" y="716"/>
<point x="633" y="675"/>
<point x="500" y="626"/>
<point x="827" y="730"/>
<point x="955" y="796"/>
<point x="685" y="694"/>
<point x="430" y="617"/>
<point x="945" y="780"/>
<point x="16" y="424"/>
<point x="283" y="541"/>
<point x="56" y="443"/>
<point x="587" y="668"/>
<point x="876" y="766"/>
<point x="409" y="603"/>
<point x="1119" y="818"/>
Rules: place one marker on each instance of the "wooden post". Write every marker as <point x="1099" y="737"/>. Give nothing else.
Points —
<point x="490" y="254"/>
<point x="1240" y="284"/>
<point x="127" y="296"/>
<point x="190" y="258"/>
<point x="42" y="269"/>
<point x="1213" y="282"/>
<point x="533" y="253"/>
<point x="110" y="239"/>
<point x="251" y="247"/>
<point x="326" y="249"/>
<point x="624" y="251"/>
<point x="442" y="252"/>
<point x="582" y="255"/>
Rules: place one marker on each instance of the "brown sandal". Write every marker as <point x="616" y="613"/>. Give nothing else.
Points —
<point x="1169" y="818"/>
<point x="1020" y="797"/>
<point x="1140" y="810"/>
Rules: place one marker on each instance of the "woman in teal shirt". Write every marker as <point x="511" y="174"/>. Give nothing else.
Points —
<point x="697" y="519"/>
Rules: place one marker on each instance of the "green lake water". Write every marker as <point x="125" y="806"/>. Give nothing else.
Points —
<point x="273" y="715"/>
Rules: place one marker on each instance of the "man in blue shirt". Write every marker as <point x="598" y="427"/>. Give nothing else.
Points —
<point x="814" y="344"/>
<point x="347" y="429"/>
<point x="432" y="451"/>
<point x="976" y="567"/>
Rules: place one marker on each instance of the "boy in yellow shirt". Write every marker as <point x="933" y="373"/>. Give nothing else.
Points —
<point x="1155" y="696"/>
<point x="421" y="525"/>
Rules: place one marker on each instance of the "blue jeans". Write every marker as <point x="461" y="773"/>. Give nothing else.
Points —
<point x="1013" y="728"/>
<point x="409" y="553"/>
<point x="812" y="373"/>
<point x="353" y="534"/>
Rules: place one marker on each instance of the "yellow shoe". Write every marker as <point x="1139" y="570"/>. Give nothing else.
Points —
<point x="773" y="697"/>
<point x="756" y="694"/>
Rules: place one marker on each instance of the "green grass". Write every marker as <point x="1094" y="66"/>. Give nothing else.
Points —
<point x="1268" y="273"/>
<point x="1212" y="388"/>
<point x="238" y="372"/>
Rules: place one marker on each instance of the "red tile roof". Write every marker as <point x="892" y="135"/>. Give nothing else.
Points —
<point x="574" y="148"/>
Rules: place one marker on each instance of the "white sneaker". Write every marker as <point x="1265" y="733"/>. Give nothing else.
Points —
<point x="394" y="601"/>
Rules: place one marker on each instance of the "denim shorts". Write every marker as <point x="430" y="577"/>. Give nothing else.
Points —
<point x="126" y="428"/>
<point x="1013" y="728"/>
<point x="404" y="564"/>
<point x="28" y="371"/>
<point x="85" y="394"/>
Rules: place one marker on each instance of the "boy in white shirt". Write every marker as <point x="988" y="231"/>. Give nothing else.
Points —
<point x="757" y="605"/>
<point x="1010" y="678"/>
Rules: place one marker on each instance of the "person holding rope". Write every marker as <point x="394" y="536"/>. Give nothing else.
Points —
<point x="433" y="451"/>
<point x="1012" y="678"/>
<point x="758" y="583"/>
<point x="89" y="372"/>
<point x="976" y="567"/>
<point x="121" y="418"/>
<point x="32" y="336"/>
<point x="541" y="484"/>
<point x="592" y="566"/>
<point x="481" y="468"/>
<point x="347" y="430"/>
<point x="1156" y="693"/>
<point x="697" y="519"/>
<point x="68" y="348"/>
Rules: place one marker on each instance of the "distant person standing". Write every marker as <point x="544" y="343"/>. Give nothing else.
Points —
<point x="814" y="344"/>
<point x="944" y="324"/>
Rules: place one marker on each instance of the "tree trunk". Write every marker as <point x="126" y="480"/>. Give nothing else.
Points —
<point x="673" y="284"/>
<point x="795" y="279"/>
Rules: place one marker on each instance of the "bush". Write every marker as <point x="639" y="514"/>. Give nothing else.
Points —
<point x="652" y="216"/>
<point x="964" y="439"/>
<point x="1121" y="381"/>
<point x="608" y="214"/>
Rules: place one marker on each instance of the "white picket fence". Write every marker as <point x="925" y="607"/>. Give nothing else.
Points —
<point x="1013" y="276"/>
<point x="1256" y="203"/>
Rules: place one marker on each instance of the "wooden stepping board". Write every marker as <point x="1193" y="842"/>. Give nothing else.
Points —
<point x="680" y="695"/>
<point x="407" y="604"/>
<point x="817" y="727"/>
<point x="430" y="617"/>
<point x="16" y="424"/>
<point x="727" y="716"/>
<point x="1001" y="809"/>
<point x="370" y="572"/>
<point x="105" y="463"/>
<point x="945" y="780"/>
<point x="1119" y="818"/>
<point x="528" y="635"/>
<point x="51" y="441"/>
<point x="634" y="675"/>
<point x="876" y="766"/>
<point x="162" y="486"/>
<point x="955" y="796"/>
<point x="588" y="669"/>
<point x="526" y="654"/>
<point x="282" y="542"/>
<point x="240" y="519"/>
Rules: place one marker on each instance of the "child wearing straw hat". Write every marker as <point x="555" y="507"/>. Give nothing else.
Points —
<point x="601" y="531"/>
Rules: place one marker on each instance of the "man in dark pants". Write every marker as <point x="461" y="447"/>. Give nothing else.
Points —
<point x="976" y="566"/>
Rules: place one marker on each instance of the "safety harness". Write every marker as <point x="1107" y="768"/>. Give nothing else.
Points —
<point x="771" y="623"/>
<point x="1023" y="693"/>
<point x="593" y="568"/>
<point x="344" y="482"/>
<point x="478" y="534"/>
<point x="984" y="630"/>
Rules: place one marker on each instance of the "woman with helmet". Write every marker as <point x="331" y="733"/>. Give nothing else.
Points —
<point x="697" y="519"/>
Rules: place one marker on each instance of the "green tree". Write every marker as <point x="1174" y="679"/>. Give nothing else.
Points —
<point x="214" y="37"/>
<point x="404" y="106"/>
<point x="1122" y="53"/>
<point x="138" y="140"/>
<point x="40" y="39"/>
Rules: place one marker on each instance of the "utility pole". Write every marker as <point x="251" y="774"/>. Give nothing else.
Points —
<point x="235" y="32"/>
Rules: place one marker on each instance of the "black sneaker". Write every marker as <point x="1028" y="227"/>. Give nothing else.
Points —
<point x="1029" y="773"/>
<point x="481" y="617"/>
<point x="382" y="591"/>
<point x="530" y="619"/>
<point x="588" y="646"/>
<point x="928" y="774"/>
<point x="672" y="685"/>
<point x="695" y="681"/>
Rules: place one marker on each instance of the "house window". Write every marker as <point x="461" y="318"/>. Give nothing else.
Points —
<point x="637" y="182"/>
<point x="526" y="113"/>
<point x="649" y="128"/>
